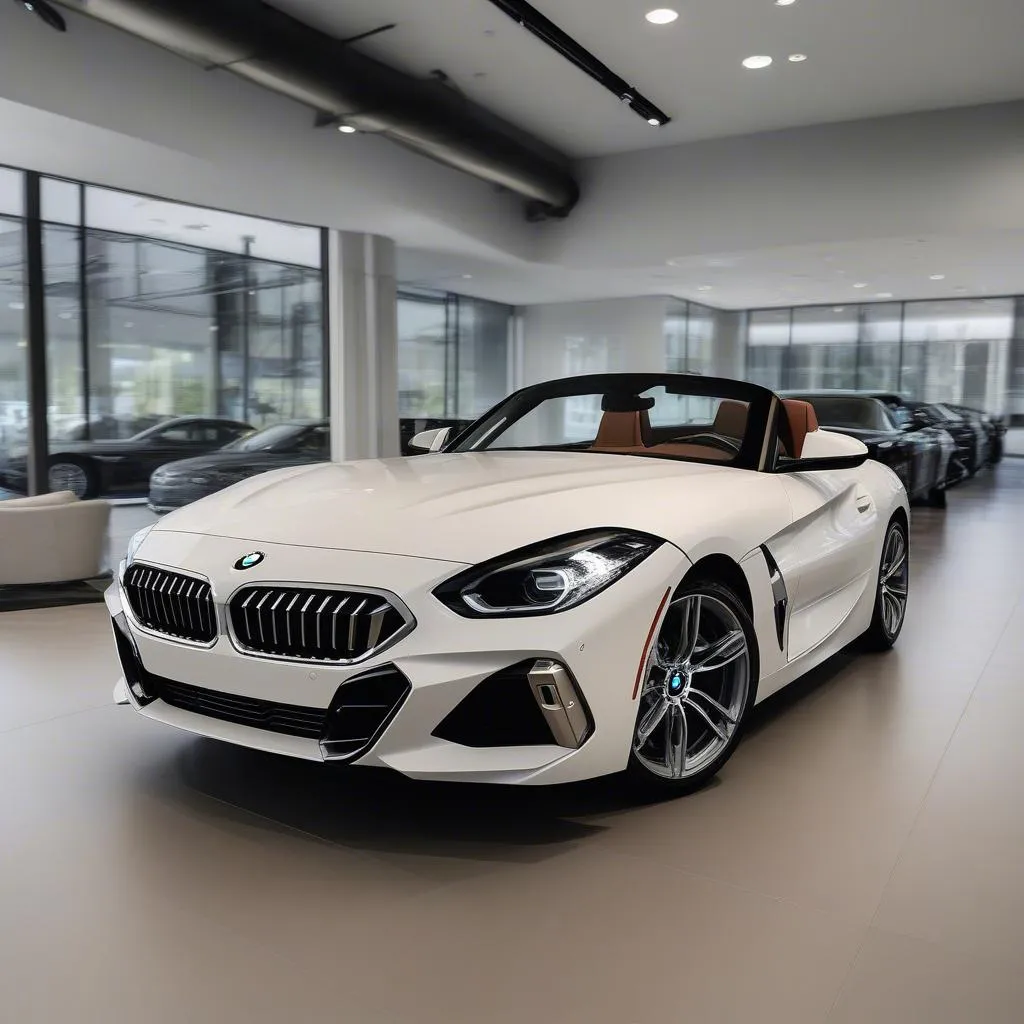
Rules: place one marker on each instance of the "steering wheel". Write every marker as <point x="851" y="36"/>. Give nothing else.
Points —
<point x="723" y="444"/>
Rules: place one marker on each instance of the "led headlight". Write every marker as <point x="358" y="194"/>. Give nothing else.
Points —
<point x="135" y="543"/>
<point x="548" y="577"/>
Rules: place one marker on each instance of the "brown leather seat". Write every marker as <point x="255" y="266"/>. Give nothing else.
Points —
<point x="624" y="430"/>
<point x="797" y="422"/>
<point x="731" y="419"/>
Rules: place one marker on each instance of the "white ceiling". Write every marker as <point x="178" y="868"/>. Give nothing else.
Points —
<point x="979" y="265"/>
<point x="866" y="58"/>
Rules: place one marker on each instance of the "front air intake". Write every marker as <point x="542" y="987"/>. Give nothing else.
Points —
<point x="306" y="624"/>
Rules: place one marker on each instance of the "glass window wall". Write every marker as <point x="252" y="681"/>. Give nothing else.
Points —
<point x="452" y="355"/>
<point x="154" y="311"/>
<point x="953" y="351"/>
<point x="689" y="337"/>
<point x="13" y="332"/>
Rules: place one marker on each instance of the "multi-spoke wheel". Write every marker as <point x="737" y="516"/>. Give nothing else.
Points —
<point x="70" y="474"/>
<point x="892" y="591"/>
<point x="699" y="682"/>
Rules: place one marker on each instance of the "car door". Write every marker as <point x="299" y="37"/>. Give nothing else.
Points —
<point x="826" y="556"/>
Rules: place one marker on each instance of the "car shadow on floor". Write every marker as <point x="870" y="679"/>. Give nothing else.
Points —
<point x="376" y="809"/>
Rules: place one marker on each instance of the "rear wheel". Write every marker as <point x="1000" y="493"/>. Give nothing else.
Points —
<point x="892" y="589"/>
<point x="699" y="684"/>
<point x="936" y="497"/>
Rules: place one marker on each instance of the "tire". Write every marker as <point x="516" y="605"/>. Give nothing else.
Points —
<point x="75" y="474"/>
<point x="891" y="590"/>
<point x="936" y="498"/>
<point x="703" y="707"/>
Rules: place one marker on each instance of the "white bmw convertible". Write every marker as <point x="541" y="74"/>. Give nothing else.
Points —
<point x="602" y="574"/>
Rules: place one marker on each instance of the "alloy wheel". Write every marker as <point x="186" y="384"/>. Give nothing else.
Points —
<point x="695" y="688"/>
<point x="893" y="579"/>
<point x="69" y="476"/>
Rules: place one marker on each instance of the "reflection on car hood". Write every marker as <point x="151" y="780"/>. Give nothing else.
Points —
<point x="472" y="506"/>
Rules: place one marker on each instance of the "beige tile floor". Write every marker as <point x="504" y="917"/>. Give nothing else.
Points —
<point x="861" y="859"/>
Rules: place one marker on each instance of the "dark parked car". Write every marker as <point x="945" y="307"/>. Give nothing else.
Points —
<point x="969" y="456"/>
<point x="993" y="426"/>
<point x="276" y="447"/>
<point x="92" y="468"/>
<point x="917" y="455"/>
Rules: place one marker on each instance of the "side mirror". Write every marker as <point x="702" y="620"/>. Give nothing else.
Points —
<point x="428" y="441"/>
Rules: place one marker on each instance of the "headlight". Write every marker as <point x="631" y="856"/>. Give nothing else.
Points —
<point x="548" y="577"/>
<point x="135" y="543"/>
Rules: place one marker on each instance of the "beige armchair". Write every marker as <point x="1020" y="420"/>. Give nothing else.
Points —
<point x="52" y="538"/>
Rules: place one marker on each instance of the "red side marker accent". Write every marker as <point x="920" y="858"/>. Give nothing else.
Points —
<point x="647" y="646"/>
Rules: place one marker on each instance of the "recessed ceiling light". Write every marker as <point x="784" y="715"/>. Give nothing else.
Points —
<point x="784" y="3"/>
<point x="661" y="16"/>
<point x="797" y="58"/>
<point x="937" y="277"/>
<point x="757" y="61"/>
<point x="346" y="129"/>
<point x="129" y="324"/>
<point x="703" y="287"/>
<point x="860" y="284"/>
<point x="838" y="309"/>
<point x="960" y="290"/>
<point x="467" y="277"/>
<point x="654" y="121"/>
<point x="883" y="295"/>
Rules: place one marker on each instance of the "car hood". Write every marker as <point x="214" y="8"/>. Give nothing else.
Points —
<point x="467" y="507"/>
<point x="228" y="461"/>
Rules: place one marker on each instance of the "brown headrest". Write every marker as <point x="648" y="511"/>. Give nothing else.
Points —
<point x="624" y="430"/>
<point x="731" y="418"/>
<point x="799" y="421"/>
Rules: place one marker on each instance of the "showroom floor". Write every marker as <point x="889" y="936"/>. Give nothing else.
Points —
<point x="859" y="860"/>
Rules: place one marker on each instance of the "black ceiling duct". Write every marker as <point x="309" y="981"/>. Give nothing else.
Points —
<point x="266" y="46"/>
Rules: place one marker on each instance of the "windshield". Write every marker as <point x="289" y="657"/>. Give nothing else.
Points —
<point x="849" y="412"/>
<point x="674" y="416"/>
<point x="266" y="439"/>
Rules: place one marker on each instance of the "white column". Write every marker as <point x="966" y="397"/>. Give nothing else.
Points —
<point x="363" y="345"/>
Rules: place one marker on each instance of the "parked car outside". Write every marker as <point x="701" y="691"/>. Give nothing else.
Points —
<point x="297" y="443"/>
<point x="90" y="469"/>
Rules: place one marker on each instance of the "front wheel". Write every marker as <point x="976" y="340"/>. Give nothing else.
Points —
<point x="68" y="473"/>
<point x="892" y="589"/>
<point x="699" y="684"/>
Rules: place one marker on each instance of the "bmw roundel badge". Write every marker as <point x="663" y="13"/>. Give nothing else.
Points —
<point x="249" y="560"/>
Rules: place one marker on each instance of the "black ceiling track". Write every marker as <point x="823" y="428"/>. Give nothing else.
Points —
<point x="561" y="42"/>
<point x="257" y="42"/>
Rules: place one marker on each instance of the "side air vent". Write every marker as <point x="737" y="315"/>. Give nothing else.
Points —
<point x="780" y="596"/>
<point x="172" y="603"/>
<point x="307" y="624"/>
<point x="360" y="712"/>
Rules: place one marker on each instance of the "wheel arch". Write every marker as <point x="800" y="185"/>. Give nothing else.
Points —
<point x="723" y="569"/>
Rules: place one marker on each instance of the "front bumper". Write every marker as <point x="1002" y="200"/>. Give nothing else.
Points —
<point x="445" y="658"/>
<point x="166" y="496"/>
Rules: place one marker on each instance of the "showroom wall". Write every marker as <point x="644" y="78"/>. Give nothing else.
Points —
<point x="646" y="333"/>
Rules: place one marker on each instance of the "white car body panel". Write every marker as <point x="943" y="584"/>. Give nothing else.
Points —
<point x="403" y="526"/>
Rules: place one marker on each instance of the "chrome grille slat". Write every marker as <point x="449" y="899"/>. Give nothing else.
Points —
<point x="171" y="603"/>
<point x="312" y="623"/>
